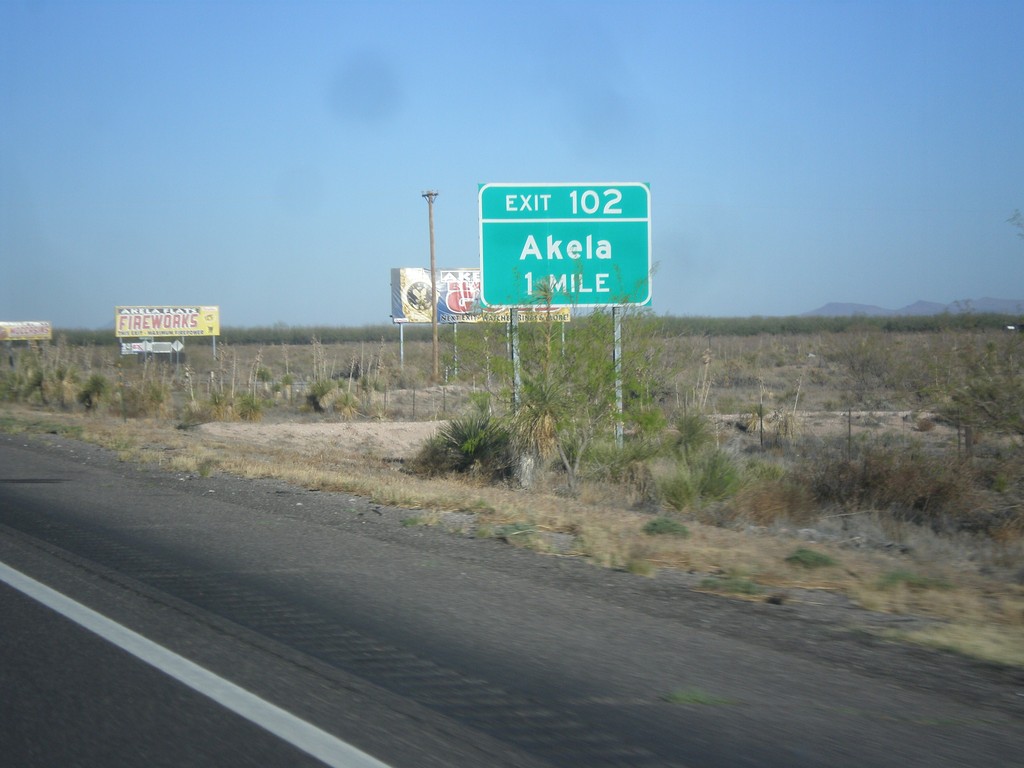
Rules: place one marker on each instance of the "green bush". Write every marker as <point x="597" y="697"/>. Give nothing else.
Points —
<point x="679" y="489"/>
<point x="808" y="558"/>
<point x="711" y="476"/>
<point x="648" y="422"/>
<point x="605" y="460"/>
<point x="694" y="434"/>
<point x="666" y="526"/>
<point x="480" y="400"/>
<point x="718" y="477"/>
<point x="911" y="580"/>
<point x="475" y="444"/>
<point x="734" y="584"/>
<point x="991" y="393"/>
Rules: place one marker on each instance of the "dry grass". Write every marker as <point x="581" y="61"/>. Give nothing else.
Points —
<point x="978" y="615"/>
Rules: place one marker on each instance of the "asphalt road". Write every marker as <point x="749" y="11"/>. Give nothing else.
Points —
<point x="422" y="648"/>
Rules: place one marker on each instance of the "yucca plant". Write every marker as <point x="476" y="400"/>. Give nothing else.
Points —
<point x="475" y="444"/>
<point x="57" y="385"/>
<point x="94" y="392"/>
<point x="249" y="407"/>
<point x="718" y="477"/>
<point x="694" y="434"/>
<point x="679" y="489"/>
<point x="346" y="404"/>
<point x="321" y="395"/>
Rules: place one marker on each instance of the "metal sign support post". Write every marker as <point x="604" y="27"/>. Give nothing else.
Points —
<point x="617" y="361"/>
<point x="401" y="347"/>
<point x="517" y="383"/>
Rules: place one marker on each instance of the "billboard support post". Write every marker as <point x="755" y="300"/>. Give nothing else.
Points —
<point x="455" y="348"/>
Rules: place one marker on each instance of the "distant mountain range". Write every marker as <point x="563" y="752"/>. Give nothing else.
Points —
<point x="985" y="305"/>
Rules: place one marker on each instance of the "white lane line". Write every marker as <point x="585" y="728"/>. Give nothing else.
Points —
<point x="301" y="734"/>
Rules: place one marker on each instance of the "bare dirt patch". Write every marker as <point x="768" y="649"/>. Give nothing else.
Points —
<point x="392" y="440"/>
<point x="400" y="440"/>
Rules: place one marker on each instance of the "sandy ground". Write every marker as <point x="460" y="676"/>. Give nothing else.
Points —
<point x="387" y="439"/>
<point x="402" y="439"/>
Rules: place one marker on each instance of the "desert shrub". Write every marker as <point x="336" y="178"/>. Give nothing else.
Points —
<point x="410" y="378"/>
<point x="755" y="471"/>
<point x="660" y="526"/>
<point x="506" y="532"/>
<point x="911" y="485"/>
<point x="475" y="444"/>
<point x="25" y="385"/>
<point x="640" y="486"/>
<point x="480" y="402"/>
<point x="195" y="412"/>
<point x="219" y="407"/>
<point x="648" y="423"/>
<point x="627" y="467"/>
<point x="809" y="558"/>
<point x="8" y="387"/>
<point x="94" y="391"/>
<point x="60" y="385"/>
<point x="607" y="461"/>
<point x="718" y="476"/>
<point x="680" y="488"/>
<point x="32" y="389"/>
<point x="773" y="500"/>
<point x="991" y="393"/>
<point x="866" y="360"/>
<point x="911" y="580"/>
<point x="694" y="433"/>
<point x="150" y="399"/>
<point x="433" y="458"/>
<point x="710" y="476"/>
<point x="732" y="583"/>
<point x="249" y="407"/>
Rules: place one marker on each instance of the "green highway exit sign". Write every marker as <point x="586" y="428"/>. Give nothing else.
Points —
<point x="580" y="245"/>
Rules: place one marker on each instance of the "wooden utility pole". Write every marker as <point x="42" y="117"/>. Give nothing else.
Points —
<point x="431" y="195"/>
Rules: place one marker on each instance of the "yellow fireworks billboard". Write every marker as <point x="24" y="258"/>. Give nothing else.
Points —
<point x="27" y="330"/>
<point x="142" y="322"/>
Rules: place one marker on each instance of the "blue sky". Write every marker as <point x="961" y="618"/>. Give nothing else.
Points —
<point x="269" y="157"/>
